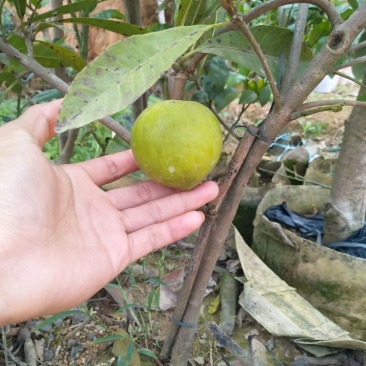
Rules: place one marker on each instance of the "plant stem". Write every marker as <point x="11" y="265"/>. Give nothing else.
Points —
<point x="357" y="46"/>
<point x="341" y="74"/>
<point x="134" y="17"/>
<point x="180" y="80"/>
<point x="199" y="250"/>
<point x="238" y="20"/>
<point x="296" y="47"/>
<point x="356" y="61"/>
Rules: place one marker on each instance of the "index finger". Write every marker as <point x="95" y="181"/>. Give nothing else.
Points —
<point x="108" y="168"/>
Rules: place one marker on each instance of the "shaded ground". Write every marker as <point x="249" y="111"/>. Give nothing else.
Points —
<point x="71" y="340"/>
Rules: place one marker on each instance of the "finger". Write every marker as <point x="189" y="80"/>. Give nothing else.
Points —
<point x="156" y="236"/>
<point x="166" y="208"/>
<point x="138" y="194"/>
<point x="107" y="168"/>
<point x="40" y="121"/>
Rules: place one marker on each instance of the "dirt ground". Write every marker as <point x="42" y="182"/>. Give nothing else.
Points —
<point x="72" y="339"/>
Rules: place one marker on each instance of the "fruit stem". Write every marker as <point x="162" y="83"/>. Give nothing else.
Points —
<point x="180" y="80"/>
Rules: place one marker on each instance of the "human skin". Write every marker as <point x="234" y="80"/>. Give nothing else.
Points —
<point x="62" y="238"/>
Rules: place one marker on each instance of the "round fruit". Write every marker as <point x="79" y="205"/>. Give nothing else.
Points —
<point x="177" y="143"/>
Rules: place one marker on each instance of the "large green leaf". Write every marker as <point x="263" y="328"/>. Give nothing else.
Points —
<point x="66" y="9"/>
<point x="126" y="29"/>
<point x="122" y="73"/>
<point x="274" y="41"/>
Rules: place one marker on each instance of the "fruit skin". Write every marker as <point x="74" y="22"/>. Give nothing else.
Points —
<point x="177" y="143"/>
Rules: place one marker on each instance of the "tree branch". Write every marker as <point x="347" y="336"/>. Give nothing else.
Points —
<point x="357" y="46"/>
<point x="341" y="74"/>
<point x="134" y="17"/>
<point x="337" y="44"/>
<point x="308" y="112"/>
<point x="184" y="295"/>
<point x="328" y="8"/>
<point x="238" y="20"/>
<point x="340" y="102"/>
<point x="296" y="47"/>
<point x="356" y="61"/>
<point x="60" y="85"/>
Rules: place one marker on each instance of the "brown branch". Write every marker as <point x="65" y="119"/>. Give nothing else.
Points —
<point x="296" y="47"/>
<point x="179" y="83"/>
<point x="184" y="295"/>
<point x="134" y="17"/>
<point x="357" y="46"/>
<point x="308" y="112"/>
<point x="212" y="252"/>
<point x="58" y="84"/>
<point x="238" y="20"/>
<point x="356" y="61"/>
<point x="328" y="8"/>
<point x="340" y="102"/>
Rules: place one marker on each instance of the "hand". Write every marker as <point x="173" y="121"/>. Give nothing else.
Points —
<point x="62" y="238"/>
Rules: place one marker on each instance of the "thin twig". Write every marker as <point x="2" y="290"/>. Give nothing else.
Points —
<point x="296" y="47"/>
<point x="77" y="329"/>
<point x="238" y="20"/>
<point x="309" y="112"/>
<point x="356" y="61"/>
<point x="341" y="102"/>
<point x="357" y="46"/>
<point x="328" y="8"/>
<point x="341" y="74"/>
<point x="59" y="84"/>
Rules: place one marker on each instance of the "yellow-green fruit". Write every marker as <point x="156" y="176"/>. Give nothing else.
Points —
<point x="177" y="143"/>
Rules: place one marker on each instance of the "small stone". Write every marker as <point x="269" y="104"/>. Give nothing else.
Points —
<point x="47" y="355"/>
<point x="71" y="342"/>
<point x="92" y="336"/>
<point x="75" y="350"/>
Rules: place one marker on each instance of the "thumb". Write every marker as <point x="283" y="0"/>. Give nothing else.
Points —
<point x="40" y="121"/>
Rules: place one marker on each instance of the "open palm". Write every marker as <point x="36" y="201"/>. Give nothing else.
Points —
<point x="62" y="238"/>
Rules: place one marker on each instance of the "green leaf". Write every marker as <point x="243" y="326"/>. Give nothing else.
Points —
<point x="123" y="347"/>
<point x="354" y="4"/>
<point x="219" y="72"/>
<point x="108" y="338"/>
<point x="126" y="29"/>
<point x="55" y="317"/>
<point x="20" y="6"/>
<point x="190" y="12"/>
<point x="46" y="96"/>
<point x="223" y="99"/>
<point x="63" y="54"/>
<point x="10" y="81"/>
<point x="156" y="281"/>
<point x="362" y="98"/>
<point x="248" y="96"/>
<point x="66" y="9"/>
<point x="201" y="97"/>
<point x="147" y="352"/>
<point x="274" y="41"/>
<point x="265" y="95"/>
<point x="109" y="13"/>
<point x="122" y="73"/>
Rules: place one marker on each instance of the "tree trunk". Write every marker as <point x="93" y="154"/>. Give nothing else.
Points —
<point x="345" y="210"/>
